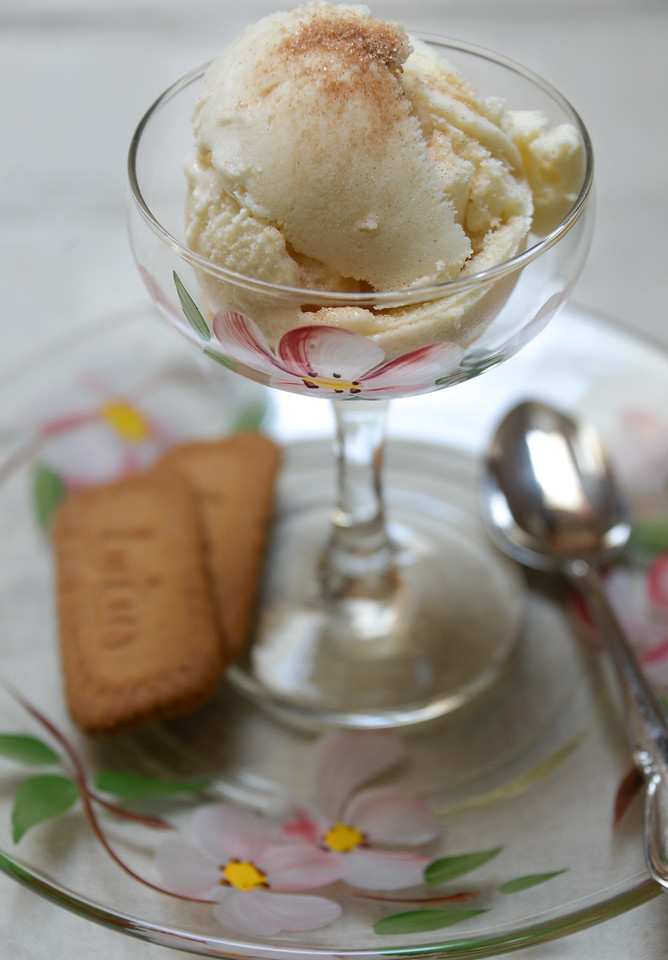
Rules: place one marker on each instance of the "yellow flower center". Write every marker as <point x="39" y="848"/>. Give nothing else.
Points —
<point x="343" y="838"/>
<point x="127" y="421"/>
<point x="335" y="383"/>
<point x="243" y="875"/>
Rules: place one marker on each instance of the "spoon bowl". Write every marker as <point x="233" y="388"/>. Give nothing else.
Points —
<point x="550" y="498"/>
<point x="550" y="501"/>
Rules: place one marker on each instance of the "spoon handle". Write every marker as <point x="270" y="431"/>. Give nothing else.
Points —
<point x="647" y="731"/>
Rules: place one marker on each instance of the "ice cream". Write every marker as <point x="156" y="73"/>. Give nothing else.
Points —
<point x="334" y="152"/>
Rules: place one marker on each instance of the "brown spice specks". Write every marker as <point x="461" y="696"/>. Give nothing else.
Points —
<point x="355" y="39"/>
<point x="343" y="49"/>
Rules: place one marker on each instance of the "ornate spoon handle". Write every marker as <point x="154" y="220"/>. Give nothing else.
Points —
<point x="646" y="728"/>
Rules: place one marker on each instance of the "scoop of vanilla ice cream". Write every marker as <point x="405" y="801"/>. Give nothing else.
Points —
<point x="306" y="123"/>
<point x="333" y="152"/>
<point x="554" y="163"/>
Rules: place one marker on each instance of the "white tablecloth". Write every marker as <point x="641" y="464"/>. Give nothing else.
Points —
<point x="75" y="76"/>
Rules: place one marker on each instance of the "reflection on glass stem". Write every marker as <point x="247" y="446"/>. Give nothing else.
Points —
<point x="358" y="573"/>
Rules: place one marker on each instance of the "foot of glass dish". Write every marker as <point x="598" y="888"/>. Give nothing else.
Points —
<point x="433" y="642"/>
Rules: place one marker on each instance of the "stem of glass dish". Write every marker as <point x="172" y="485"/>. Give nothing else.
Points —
<point x="358" y="573"/>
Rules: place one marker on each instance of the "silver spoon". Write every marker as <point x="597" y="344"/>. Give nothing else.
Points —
<point x="550" y="501"/>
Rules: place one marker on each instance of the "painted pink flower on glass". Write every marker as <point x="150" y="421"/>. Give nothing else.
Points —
<point x="237" y="861"/>
<point x="640" y="599"/>
<point x="333" y="361"/>
<point x="169" y="309"/>
<point x="639" y="448"/>
<point x="364" y="830"/>
<point x="92" y="434"/>
<point x="657" y="584"/>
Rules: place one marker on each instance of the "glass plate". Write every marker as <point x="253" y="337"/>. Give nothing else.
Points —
<point x="531" y="770"/>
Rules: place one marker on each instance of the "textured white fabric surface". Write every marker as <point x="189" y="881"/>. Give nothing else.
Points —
<point x="75" y="76"/>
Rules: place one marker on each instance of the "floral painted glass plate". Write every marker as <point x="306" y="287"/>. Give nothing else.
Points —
<point x="512" y="821"/>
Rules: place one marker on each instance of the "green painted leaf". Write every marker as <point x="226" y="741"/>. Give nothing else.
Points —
<point x="422" y="921"/>
<point x="448" y="868"/>
<point x="531" y="880"/>
<point x="26" y="749"/>
<point x="250" y="417"/>
<point x="48" y="490"/>
<point x="41" y="798"/>
<point x="652" y="537"/>
<point x="134" y="785"/>
<point x="191" y="310"/>
<point x="219" y="358"/>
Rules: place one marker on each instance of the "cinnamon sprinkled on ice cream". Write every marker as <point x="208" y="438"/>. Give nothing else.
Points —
<point x="333" y="152"/>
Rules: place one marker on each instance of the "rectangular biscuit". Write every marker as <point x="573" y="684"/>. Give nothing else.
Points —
<point x="233" y="481"/>
<point x="138" y="634"/>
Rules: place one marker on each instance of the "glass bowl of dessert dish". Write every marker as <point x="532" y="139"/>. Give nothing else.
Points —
<point x="342" y="211"/>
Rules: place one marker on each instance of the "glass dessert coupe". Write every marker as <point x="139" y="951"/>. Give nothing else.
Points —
<point x="369" y="616"/>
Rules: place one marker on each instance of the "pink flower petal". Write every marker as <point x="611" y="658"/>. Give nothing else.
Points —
<point x="185" y="870"/>
<point x="299" y="912"/>
<point x="225" y="832"/>
<point x="243" y="340"/>
<point x="302" y="822"/>
<point x="263" y="913"/>
<point x="657" y="673"/>
<point x="241" y="911"/>
<point x="345" y="761"/>
<point x="300" y="867"/>
<point x="373" y="870"/>
<point x="58" y="424"/>
<point x="419" y="369"/>
<point x="169" y="309"/>
<point x="327" y="352"/>
<point x="91" y="453"/>
<point x="640" y="450"/>
<point x="657" y="654"/>
<point x="657" y="583"/>
<point x="392" y="817"/>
